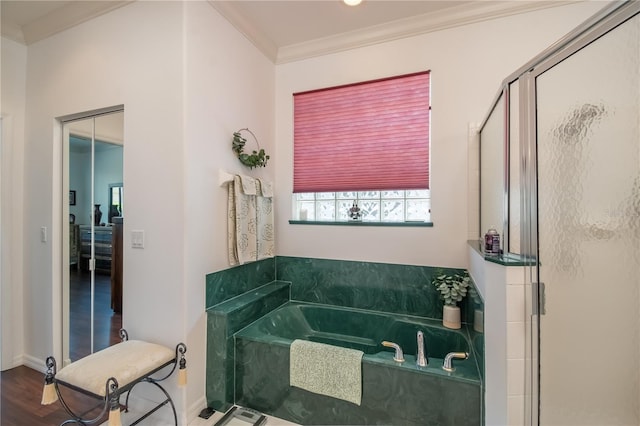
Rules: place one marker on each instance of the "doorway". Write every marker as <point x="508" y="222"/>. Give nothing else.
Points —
<point x="93" y="147"/>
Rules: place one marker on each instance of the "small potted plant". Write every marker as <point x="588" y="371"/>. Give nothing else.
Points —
<point x="452" y="288"/>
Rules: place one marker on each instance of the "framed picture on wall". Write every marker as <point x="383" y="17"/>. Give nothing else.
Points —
<point x="72" y="198"/>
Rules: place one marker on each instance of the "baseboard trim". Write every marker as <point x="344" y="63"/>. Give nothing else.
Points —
<point x="194" y="409"/>
<point x="33" y="362"/>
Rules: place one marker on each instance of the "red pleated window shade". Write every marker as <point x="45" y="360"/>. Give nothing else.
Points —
<point x="363" y="137"/>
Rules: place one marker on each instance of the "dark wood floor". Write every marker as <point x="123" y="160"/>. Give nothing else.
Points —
<point x="21" y="393"/>
<point x="21" y="387"/>
<point x="106" y="323"/>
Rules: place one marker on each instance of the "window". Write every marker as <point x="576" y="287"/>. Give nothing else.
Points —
<point x="366" y="143"/>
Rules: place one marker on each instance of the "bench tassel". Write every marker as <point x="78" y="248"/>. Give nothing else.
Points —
<point x="114" y="402"/>
<point x="182" y="371"/>
<point x="114" y="416"/>
<point x="49" y="394"/>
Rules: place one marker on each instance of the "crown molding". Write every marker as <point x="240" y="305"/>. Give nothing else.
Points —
<point x="454" y="16"/>
<point x="253" y="34"/>
<point x="13" y="32"/>
<point x="66" y="17"/>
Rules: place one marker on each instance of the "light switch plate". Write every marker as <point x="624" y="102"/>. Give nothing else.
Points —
<point x="137" y="239"/>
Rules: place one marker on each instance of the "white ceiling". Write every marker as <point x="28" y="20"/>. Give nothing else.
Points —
<point x="283" y="30"/>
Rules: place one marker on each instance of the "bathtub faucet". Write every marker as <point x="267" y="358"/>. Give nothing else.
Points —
<point x="399" y="356"/>
<point x="421" y="360"/>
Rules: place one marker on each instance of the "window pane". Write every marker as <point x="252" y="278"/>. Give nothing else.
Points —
<point x="325" y="195"/>
<point x="418" y="193"/>
<point x="326" y="210"/>
<point x="369" y="194"/>
<point x="306" y="196"/>
<point x="392" y="194"/>
<point x="310" y="207"/>
<point x="418" y="209"/>
<point x="393" y="211"/>
<point x="370" y="210"/>
<point x="389" y="208"/>
<point x="343" y="210"/>
<point x="347" y="195"/>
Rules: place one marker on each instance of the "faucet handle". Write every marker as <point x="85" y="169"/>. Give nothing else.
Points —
<point x="399" y="356"/>
<point x="447" y="365"/>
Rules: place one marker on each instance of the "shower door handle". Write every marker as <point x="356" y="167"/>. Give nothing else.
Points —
<point x="538" y="298"/>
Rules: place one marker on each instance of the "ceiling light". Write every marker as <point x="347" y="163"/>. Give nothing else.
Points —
<point x="352" y="2"/>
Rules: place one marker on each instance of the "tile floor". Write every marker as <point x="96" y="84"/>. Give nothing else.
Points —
<point x="127" y="418"/>
<point x="271" y="421"/>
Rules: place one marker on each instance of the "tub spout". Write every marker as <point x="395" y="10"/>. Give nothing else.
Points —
<point x="399" y="356"/>
<point x="447" y="365"/>
<point x="422" y="360"/>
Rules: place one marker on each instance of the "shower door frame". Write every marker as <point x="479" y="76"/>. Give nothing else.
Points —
<point x="600" y="24"/>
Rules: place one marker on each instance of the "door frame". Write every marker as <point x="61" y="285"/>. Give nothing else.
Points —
<point x="60" y="229"/>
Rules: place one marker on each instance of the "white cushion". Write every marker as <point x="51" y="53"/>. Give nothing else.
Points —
<point x="126" y="361"/>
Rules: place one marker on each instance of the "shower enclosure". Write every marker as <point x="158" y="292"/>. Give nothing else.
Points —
<point x="569" y="205"/>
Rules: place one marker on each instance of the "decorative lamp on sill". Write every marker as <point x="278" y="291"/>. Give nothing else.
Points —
<point x="355" y="214"/>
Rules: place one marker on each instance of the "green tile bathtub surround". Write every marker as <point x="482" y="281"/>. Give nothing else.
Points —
<point x="474" y="312"/>
<point x="246" y="308"/>
<point x="391" y="394"/>
<point x="228" y="283"/>
<point x="249" y="333"/>
<point x="477" y="345"/>
<point x="219" y="378"/>
<point x="355" y="329"/>
<point x="402" y="289"/>
<point x="223" y="320"/>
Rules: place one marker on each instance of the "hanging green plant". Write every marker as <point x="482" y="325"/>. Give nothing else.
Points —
<point x="256" y="158"/>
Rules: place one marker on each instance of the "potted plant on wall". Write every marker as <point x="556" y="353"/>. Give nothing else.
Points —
<point x="452" y="288"/>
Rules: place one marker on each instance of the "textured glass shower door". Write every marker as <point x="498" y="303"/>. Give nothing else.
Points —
<point x="588" y="232"/>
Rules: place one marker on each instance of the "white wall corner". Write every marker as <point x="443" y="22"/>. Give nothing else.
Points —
<point x="473" y="181"/>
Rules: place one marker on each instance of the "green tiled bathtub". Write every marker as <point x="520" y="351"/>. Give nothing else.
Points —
<point x="393" y="393"/>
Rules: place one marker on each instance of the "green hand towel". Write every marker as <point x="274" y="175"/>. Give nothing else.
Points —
<point x="326" y="370"/>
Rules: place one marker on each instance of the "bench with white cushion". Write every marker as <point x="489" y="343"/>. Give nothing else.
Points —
<point x="112" y="372"/>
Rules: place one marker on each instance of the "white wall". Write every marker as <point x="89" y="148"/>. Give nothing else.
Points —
<point x="131" y="56"/>
<point x="229" y="85"/>
<point x="13" y="61"/>
<point x="503" y="291"/>
<point x="468" y="65"/>
<point x="187" y="80"/>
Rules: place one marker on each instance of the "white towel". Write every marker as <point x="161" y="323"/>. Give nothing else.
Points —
<point x="326" y="370"/>
<point x="249" y="221"/>
<point x="264" y="213"/>
<point x="266" y="188"/>
<point x="249" y="185"/>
